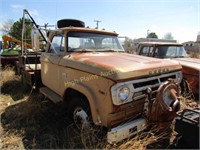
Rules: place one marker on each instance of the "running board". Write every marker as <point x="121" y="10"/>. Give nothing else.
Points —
<point x="50" y="94"/>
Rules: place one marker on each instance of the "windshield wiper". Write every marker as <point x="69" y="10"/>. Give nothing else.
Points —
<point x="109" y="50"/>
<point x="83" y="50"/>
<point x="180" y="57"/>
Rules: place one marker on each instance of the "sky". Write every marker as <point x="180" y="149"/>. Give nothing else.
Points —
<point x="130" y="18"/>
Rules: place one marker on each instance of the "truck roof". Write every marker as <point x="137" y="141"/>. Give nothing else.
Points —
<point x="87" y="30"/>
<point x="160" y="43"/>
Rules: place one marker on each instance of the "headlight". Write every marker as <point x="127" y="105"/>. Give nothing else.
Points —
<point x="124" y="93"/>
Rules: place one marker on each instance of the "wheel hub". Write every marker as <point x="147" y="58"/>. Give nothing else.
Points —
<point x="80" y="117"/>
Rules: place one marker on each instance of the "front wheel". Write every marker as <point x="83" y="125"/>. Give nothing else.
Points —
<point x="79" y="112"/>
<point x="80" y="115"/>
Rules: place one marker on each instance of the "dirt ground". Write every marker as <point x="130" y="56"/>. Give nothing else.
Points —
<point x="30" y="121"/>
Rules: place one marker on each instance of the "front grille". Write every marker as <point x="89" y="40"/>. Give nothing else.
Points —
<point x="149" y="83"/>
<point x="140" y="86"/>
<point x="166" y="78"/>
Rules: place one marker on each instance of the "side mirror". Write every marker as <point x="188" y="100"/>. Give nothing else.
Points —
<point x="35" y="37"/>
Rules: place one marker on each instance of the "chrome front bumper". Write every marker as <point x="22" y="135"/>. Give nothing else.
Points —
<point x="124" y="131"/>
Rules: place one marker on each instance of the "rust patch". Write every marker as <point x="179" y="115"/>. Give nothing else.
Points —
<point x="192" y="76"/>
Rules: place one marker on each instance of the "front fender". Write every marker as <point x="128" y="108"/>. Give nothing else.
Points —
<point x="91" y="97"/>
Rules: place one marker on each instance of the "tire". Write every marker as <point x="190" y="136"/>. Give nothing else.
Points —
<point x="90" y="134"/>
<point x="70" y="22"/>
<point x="79" y="112"/>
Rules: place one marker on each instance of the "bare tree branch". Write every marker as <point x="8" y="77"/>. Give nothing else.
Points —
<point x="6" y="26"/>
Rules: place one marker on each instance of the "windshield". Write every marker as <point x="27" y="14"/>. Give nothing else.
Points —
<point x="82" y="41"/>
<point x="170" y="52"/>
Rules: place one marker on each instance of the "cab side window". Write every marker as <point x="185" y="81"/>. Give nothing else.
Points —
<point x="57" y="44"/>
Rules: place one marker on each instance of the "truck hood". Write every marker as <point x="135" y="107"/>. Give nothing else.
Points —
<point x="189" y="62"/>
<point x="118" y="66"/>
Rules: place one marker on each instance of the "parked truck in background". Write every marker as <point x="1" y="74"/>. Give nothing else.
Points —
<point x="176" y="52"/>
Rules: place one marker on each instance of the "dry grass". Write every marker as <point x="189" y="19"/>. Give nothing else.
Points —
<point x="187" y="103"/>
<point x="92" y="138"/>
<point x="195" y="55"/>
<point x="5" y="101"/>
<point x="11" y="84"/>
<point x="144" y="141"/>
<point x="28" y="121"/>
<point x="7" y="74"/>
<point x="11" y="141"/>
<point x="32" y="122"/>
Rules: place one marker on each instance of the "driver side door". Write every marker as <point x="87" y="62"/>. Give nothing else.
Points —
<point x="49" y="63"/>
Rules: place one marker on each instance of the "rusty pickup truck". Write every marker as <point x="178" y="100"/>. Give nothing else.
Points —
<point x="176" y="52"/>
